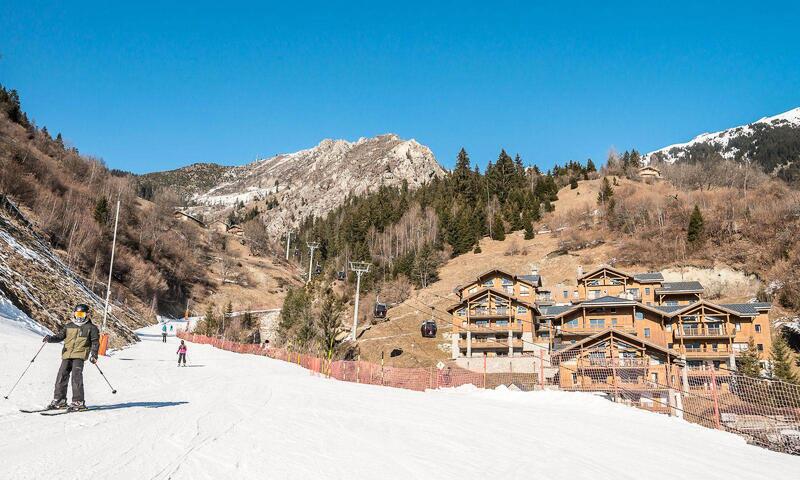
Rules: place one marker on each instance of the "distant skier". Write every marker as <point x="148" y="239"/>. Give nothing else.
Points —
<point x="81" y="340"/>
<point x="170" y="329"/>
<point x="164" y="333"/>
<point x="182" y="354"/>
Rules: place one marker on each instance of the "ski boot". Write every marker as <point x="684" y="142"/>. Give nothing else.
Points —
<point x="77" y="406"/>
<point x="57" y="405"/>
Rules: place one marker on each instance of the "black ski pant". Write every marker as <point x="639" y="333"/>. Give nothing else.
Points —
<point x="181" y="358"/>
<point x="69" y="366"/>
<point x="164" y="337"/>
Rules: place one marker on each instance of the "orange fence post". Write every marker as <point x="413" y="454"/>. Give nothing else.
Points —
<point x="541" y="369"/>
<point x="714" y="395"/>
<point x="103" y="344"/>
<point x="484" y="370"/>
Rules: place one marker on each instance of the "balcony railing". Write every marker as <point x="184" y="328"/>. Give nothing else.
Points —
<point x="491" y="344"/>
<point x="700" y="332"/>
<point x="493" y="313"/>
<point x="615" y="362"/>
<point x="706" y="351"/>
<point x="591" y="329"/>
<point x="492" y="328"/>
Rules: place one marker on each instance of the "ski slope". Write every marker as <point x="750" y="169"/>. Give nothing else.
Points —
<point x="237" y="416"/>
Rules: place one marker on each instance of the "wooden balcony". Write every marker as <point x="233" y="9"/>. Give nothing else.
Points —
<point x="513" y="327"/>
<point x="706" y="351"/>
<point x="491" y="344"/>
<point x="490" y="314"/>
<point x="705" y="371"/>
<point x="591" y="330"/>
<point x="704" y="332"/>
<point x="598" y="363"/>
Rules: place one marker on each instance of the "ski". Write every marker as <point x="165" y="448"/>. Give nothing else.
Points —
<point x="39" y="410"/>
<point x="64" y="412"/>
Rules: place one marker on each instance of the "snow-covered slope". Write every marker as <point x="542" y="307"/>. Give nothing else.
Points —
<point x="246" y="417"/>
<point x="732" y="143"/>
<point x="312" y="182"/>
<point x="34" y="280"/>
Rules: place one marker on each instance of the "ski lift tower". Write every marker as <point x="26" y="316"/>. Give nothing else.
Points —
<point x="311" y="246"/>
<point x="360" y="268"/>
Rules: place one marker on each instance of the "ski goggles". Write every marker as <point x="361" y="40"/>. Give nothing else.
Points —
<point x="80" y="314"/>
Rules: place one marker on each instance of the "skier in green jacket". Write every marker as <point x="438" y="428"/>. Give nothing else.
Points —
<point x="81" y="341"/>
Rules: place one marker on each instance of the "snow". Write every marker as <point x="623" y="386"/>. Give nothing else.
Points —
<point x="11" y="316"/>
<point x="722" y="138"/>
<point x="243" y="416"/>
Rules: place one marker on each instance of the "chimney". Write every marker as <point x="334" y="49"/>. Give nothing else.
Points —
<point x="534" y="269"/>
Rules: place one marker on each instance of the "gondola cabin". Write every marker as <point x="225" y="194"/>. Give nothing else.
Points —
<point x="428" y="329"/>
<point x="380" y="310"/>
<point x="318" y="270"/>
<point x="341" y="276"/>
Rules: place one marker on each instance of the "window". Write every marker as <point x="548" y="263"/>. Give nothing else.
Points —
<point x="739" y="347"/>
<point x="594" y="293"/>
<point x="668" y="327"/>
<point x="654" y="377"/>
<point x="544" y="334"/>
<point x="566" y="293"/>
<point x="521" y="310"/>
<point x="646" y="333"/>
<point x="473" y="289"/>
<point x="460" y="312"/>
<point x="574" y="378"/>
<point x="524" y="291"/>
<point x="649" y="304"/>
<point x="647" y="291"/>
<point x="613" y="310"/>
<point x="507" y="281"/>
<point x="501" y="323"/>
<point x="482" y="323"/>
<point x="737" y="326"/>
<point x="488" y="283"/>
<point x="572" y="323"/>
<point x="597" y="322"/>
<point x="613" y="321"/>
<point x="671" y="302"/>
<point x="639" y="315"/>
<point x="575" y="294"/>
<point x="670" y="345"/>
<point x="758" y="328"/>
<point x="760" y="347"/>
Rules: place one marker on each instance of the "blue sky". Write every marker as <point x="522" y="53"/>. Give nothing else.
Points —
<point x="148" y="87"/>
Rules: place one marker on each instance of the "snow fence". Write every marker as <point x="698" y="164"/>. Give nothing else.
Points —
<point x="765" y="412"/>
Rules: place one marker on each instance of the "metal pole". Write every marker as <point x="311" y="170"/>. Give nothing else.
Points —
<point x="111" y="267"/>
<point x="312" y="246"/>
<point x="288" y="240"/>
<point x="355" y="310"/>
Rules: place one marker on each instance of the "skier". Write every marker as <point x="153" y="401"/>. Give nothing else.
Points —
<point x="164" y="333"/>
<point x="182" y="354"/>
<point x="81" y="340"/>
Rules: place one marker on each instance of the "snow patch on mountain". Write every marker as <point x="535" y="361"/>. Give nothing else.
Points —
<point x="313" y="181"/>
<point x="721" y="139"/>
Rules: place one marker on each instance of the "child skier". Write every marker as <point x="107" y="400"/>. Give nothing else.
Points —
<point x="164" y="333"/>
<point x="182" y="354"/>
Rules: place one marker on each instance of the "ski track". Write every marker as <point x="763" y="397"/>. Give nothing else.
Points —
<point x="245" y="416"/>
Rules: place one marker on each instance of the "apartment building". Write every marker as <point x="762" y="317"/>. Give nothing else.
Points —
<point x="495" y="315"/>
<point x="501" y="314"/>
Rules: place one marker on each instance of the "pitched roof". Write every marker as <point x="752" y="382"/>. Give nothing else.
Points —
<point x="609" y="300"/>
<point x="680" y="287"/>
<point x="535" y="280"/>
<point x="669" y="308"/>
<point x="740" y="309"/>
<point x="648" y="277"/>
<point x="552" y="310"/>
<point x="499" y="293"/>
<point x="747" y="308"/>
<point x="620" y="334"/>
<point x="604" y="267"/>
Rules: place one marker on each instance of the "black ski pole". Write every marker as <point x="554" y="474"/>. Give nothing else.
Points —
<point x="104" y="378"/>
<point x="26" y="370"/>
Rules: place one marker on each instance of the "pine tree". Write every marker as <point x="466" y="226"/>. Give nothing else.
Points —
<point x="209" y="321"/>
<point x="782" y="361"/>
<point x="528" y="226"/>
<point x="498" y="229"/>
<point x="590" y="166"/>
<point x="573" y="183"/>
<point x="606" y="192"/>
<point x="694" y="233"/>
<point x="101" y="211"/>
<point x="748" y="363"/>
